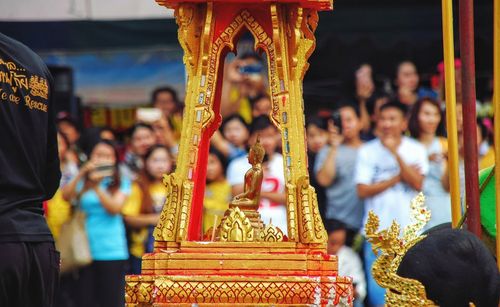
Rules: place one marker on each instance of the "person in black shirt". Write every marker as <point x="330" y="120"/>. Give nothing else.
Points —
<point x="29" y="175"/>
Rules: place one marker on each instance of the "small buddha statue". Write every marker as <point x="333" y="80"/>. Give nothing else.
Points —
<point x="249" y="199"/>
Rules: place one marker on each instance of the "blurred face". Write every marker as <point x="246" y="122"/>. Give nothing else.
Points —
<point x="69" y="131"/>
<point x="268" y="139"/>
<point x="215" y="170"/>
<point x="479" y="137"/>
<point x="61" y="147"/>
<point x="159" y="163"/>
<point x="407" y="76"/>
<point x="336" y="239"/>
<point x="261" y="107"/>
<point x="460" y="123"/>
<point x="351" y="125"/>
<point x="142" y="140"/>
<point x="429" y="118"/>
<point x="236" y="133"/>
<point x="103" y="154"/>
<point x="166" y="103"/>
<point x="461" y="148"/>
<point x="316" y="138"/>
<point x="391" y="123"/>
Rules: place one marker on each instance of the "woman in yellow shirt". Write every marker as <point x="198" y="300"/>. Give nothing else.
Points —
<point x="142" y="209"/>
<point x="58" y="210"/>
<point x="217" y="191"/>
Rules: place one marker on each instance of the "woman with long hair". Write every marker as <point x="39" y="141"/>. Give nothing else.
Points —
<point x="100" y="192"/>
<point x="426" y="125"/>
<point x="142" y="210"/>
<point x="217" y="191"/>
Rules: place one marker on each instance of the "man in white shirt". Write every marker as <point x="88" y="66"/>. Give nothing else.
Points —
<point x="389" y="172"/>
<point x="272" y="202"/>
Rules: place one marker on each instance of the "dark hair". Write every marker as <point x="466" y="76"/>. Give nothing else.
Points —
<point x="372" y="100"/>
<point x="67" y="118"/>
<point x="165" y="89"/>
<point x="145" y="179"/>
<point x="89" y="139"/>
<point x="219" y="156"/>
<point x="134" y="128"/>
<point x="413" y="123"/>
<point x="349" y="104"/>
<point x="332" y="225"/>
<point x="64" y="138"/>
<point x="260" y="123"/>
<point x="320" y="122"/>
<point x="232" y="117"/>
<point x="395" y="104"/>
<point x="455" y="268"/>
<point x="116" y="179"/>
<point x="258" y="97"/>
<point x="400" y="63"/>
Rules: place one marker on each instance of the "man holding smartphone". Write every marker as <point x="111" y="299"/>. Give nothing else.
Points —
<point x="30" y="174"/>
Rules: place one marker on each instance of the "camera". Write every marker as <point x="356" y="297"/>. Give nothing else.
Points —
<point x="337" y="121"/>
<point x="252" y="69"/>
<point x="102" y="171"/>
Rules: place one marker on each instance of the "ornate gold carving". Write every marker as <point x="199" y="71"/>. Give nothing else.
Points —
<point x="188" y="18"/>
<point x="216" y="290"/>
<point x="138" y="290"/>
<point x="291" y="201"/>
<point x="271" y="233"/>
<point x="311" y="227"/>
<point x="400" y="291"/>
<point x="187" y="191"/>
<point x="166" y="229"/>
<point x="302" y="43"/>
<point x="236" y="227"/>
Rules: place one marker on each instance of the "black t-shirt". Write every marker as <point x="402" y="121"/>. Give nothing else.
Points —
<point x="29" y="162"/>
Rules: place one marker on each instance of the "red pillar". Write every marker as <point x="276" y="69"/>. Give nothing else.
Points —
<point x="469" y="115"/>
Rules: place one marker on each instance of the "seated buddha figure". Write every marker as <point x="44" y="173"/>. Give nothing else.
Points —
<point x="249" y="199"/>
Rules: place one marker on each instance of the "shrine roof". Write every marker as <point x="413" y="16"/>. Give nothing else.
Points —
<point x="320" y="5"/>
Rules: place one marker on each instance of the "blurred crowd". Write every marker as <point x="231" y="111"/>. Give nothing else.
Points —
<point x="374" y="149"/>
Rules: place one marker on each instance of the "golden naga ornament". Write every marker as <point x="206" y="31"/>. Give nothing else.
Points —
<point x="245" y="262"/>
<point x="404" y="292"/>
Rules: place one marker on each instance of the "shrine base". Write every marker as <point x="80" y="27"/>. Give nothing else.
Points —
<point x="238" y="273"/>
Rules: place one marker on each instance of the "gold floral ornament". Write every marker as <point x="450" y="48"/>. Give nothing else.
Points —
<point x="271" y="233"/>
<point x="400" y="291"/>
<point x="236" y="227"/>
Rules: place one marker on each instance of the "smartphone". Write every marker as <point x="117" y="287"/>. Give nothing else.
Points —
<point x="337" y="120"/>
<point x="103" y="170"/>
<point x="148" y="115"/>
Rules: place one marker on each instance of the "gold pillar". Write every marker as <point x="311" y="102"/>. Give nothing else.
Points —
<point x="451" y="114"/>
<point x="496" y="106"/>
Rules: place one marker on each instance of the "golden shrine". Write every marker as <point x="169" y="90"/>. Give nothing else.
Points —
<point x="244" y="262"/>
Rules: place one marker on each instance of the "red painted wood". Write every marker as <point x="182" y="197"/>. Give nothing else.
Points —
<point x="469" y="115"/>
